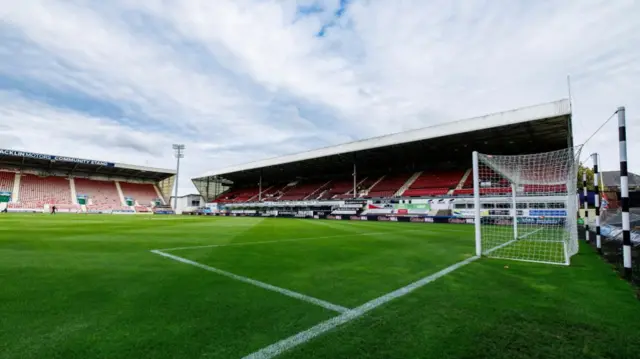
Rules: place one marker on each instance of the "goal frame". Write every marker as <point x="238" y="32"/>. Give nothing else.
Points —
<point x="483" y="250"/>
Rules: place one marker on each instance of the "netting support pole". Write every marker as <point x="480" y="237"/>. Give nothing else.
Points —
<point x="514" y="189"/>
<point x="260" y="189"/>
<point x="476" y="202"/>
<point x="624" y="193"/>
<point x="586" y="204"/>
<point x="596" y="200"/>
<point x="355" y="183"/>
<point x="577" y="209"/>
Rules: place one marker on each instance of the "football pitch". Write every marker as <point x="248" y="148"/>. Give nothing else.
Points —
<point x="100" y="286"/>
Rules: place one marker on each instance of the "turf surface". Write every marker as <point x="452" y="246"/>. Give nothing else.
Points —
<point x="79" y="286"/>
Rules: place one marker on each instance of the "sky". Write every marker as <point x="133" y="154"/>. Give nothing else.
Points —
<point x="242" y="80"/>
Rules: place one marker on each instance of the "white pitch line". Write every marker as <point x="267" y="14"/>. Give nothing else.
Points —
<point x="305" y="238"/>
<point x="511" y="241"/>
<point x="500" y="246"/>
<point x="280" y="347"/>
<point x="530" y="233"/>
<point x="306" y="298"/>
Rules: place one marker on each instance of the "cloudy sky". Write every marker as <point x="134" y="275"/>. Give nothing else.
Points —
<point x="241" y="80"/>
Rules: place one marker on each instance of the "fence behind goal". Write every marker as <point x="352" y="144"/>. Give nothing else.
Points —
<point x="525" y="206"/>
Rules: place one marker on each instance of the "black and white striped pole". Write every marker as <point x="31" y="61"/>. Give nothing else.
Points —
<point x="586" y="204"/>
<point x="596" y="200"/>
<point x="624" y="193"/>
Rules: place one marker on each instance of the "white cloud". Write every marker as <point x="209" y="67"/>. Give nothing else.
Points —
<point x="241" y="80"/>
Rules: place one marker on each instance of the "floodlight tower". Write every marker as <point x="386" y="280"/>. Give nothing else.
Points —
<point x="179" y="153"/>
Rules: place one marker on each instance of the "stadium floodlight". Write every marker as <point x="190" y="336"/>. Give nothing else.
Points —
<point x="178" y="150"/>
<point x="525" y="206"/>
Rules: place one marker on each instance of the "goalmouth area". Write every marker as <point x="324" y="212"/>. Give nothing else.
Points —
<point x="96" y="286"/>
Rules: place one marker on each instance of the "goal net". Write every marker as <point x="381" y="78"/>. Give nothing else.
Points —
<point x="525" y="206"/>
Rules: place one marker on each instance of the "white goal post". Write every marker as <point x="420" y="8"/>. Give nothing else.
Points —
<point x="525" y="206"/>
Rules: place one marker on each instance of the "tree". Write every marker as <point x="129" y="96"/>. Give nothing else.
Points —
<point x="581" y="170"/>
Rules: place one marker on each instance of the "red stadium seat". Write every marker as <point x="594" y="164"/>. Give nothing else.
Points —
<point x="144" y="193"/>
<point x="302" y="191"/>
<point x="434" y="183"/>
<point x="103" y="195"/>
<point x="6" y="181"/>
<point x="389" y="185"/>
<point x="338" y="188"/>
<point x="36" y="191"/>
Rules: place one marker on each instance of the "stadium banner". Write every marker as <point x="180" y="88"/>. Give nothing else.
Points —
<point x="508" y="221"/>
<point x="123" y="211"/>
<point x="214" y="207"/>
<point x="40" y="156"/>
<point x="421" y="219"/>
<point x="379" y="218"/>
<point x="547" y="213"/>
<point x="304" y="214"/>
<point x="25" y="210"/>
<point x="413" y="207"/>
<point x="163" y="211"/>
<point x="67" y="210"/>
<point x="98" y="211"/>
<point x="468" y="213"/>
<point x="358" y="218"/>
<point x="360" y="202"/>
<point x="399" y="208"/>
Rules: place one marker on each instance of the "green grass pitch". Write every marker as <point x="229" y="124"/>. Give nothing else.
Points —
<point x="88" y="286"/>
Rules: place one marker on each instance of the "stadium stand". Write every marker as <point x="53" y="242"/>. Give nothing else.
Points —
<point x="101" y="195"/>
<point x="36" y="191"/>
<point x="499" y="188"/>
<point x="389" y="185"/>
<point x="302" y="191"/>
<point x="363" y="186"/>
<point x="431" y="162"/>
<point x="434" y="183"/>
<point x="6" y="181"/>
<point x="142" y="193"/>
<point x="338" y="188"/>
<point x="406" y="165"/>
<point x="273" y="192"/>
<point x="238" y="195"/>
<point x="35" y="182"/>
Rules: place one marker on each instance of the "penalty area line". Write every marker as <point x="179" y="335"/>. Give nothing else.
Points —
<point x="273" y="288"/>
<point x="284" y="345"/>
